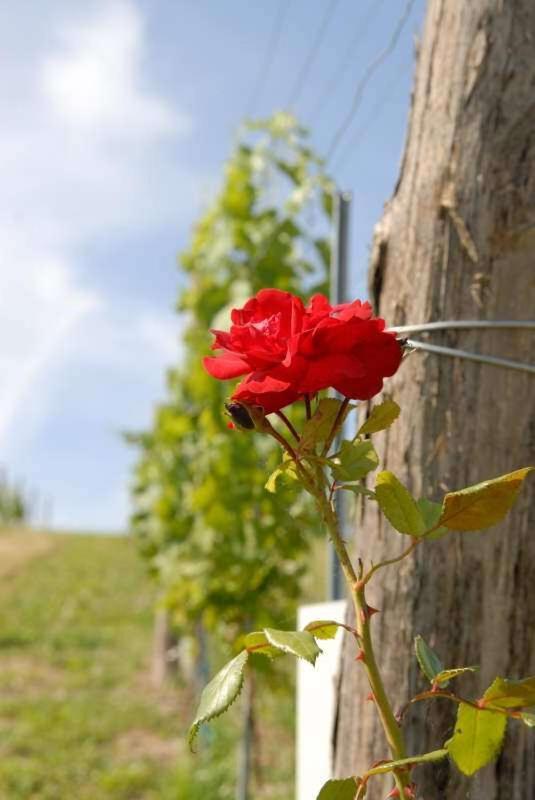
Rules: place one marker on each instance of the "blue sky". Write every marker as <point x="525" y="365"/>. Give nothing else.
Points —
<point x="116" y="118"/>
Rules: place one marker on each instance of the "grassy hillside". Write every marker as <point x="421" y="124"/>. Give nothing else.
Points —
<point x="78" y="717"/>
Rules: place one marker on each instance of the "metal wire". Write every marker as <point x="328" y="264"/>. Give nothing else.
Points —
<point x="368" y="73"/>
<point x="464" y="324"/>
<point x="456" y="353"/>
<point x="269" y="56"/>
<point x="312" y="53"/>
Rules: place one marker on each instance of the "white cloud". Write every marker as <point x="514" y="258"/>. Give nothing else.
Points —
<point x="84" y="155"/>
<point x="94" y="83"/>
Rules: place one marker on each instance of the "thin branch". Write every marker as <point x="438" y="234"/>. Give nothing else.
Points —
<point x="336" y="425"/>
<point x="282" y="416"/>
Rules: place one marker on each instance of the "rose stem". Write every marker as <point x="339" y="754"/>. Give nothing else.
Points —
<point x="336" y="425"/>
<point x="281" y="415"/>
<point x="307" y="406"/>
<point x="356" y="586"/>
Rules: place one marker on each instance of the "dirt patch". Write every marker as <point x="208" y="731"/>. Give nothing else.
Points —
<point x="19" y="547"/>
<point x="25" y="675"/>
<point x="139" y="744"/>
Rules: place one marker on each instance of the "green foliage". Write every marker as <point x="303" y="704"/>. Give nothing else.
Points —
<point x="429" y="662"/>
<point x="342" y="789"/>
<point x="317" y="429"/>
<point x="354" y="460"/>
<point x="14" y="507"/>
<point x="477" y="739"/>
<point x="297" y="643"/>
<point x="323" y="628"/>
<point x="225" y="551"/>
<point x="381" y="417"/>
<point x="220" y="693"/>
<point x="484" y="504"/>
<point x="408" y="763"/>
<point x="504" y="693"/>
<point x="397" y="505"/>
<point x="431" y="513"/>
<point x="446" y="675"/>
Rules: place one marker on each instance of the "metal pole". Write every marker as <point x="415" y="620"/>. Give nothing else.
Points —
<point x="339" y="294"/>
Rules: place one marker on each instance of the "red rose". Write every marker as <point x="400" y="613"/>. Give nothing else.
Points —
<point x="287" y="350"/>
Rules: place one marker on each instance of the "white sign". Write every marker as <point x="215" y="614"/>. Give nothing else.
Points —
<point x="316" y="699"/>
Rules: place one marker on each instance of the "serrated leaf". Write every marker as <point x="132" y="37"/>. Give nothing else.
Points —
<point x="484" y="504"/>
<point x="297" y="643"/>
<point x="412" y="761"/>
<point x="220" y="693"/>
<point x="431" y="513"/>
<point x="342" y="789"/>
<point x="528" y="719"/>
<point x="357" y="488"/>
<point x="354" y="460"/>
<point x="477" y="739"/>
<point x="256" y="642"/>
<point x="504" y="693"/>
<point x="323" y="628"/>
<point x="446" y="675"/>
<point x="287" y="469"/>
<point x="429" y="662"/>
<point x="382" y="416"/>
<point x="398" y="506"/>
<point x="318" y="428"/>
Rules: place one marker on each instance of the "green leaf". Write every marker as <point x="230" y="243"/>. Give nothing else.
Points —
<point x="354" y="460"/>
<point x="256" y="642"/>
<point x="484" y="504"/>
<point x="357" y="488"/>
<point x="429" y="662"/>
<point x="381" y="417"/>
<point x="297" y="643"/>
<point x="323" y="628"/>
<point x="477" y="739"/>
<point x="412" y="761"/>
<point x="286" y="469"/>
<point x="398" y="505"/>
<point x="443" y="677"/>
<point x="503" y="693"/>
<point x="431" y="514"/>
<point x="528" y="719"/>
<point x="318" y="428"/>
<point x="220" y="693"/>
<point x="343" y="789"/>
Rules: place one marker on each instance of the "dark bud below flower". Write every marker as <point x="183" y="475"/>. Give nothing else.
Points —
<point x="240" y="415"/>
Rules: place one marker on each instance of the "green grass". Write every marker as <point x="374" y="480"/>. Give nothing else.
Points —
<point x="79" y="719"/>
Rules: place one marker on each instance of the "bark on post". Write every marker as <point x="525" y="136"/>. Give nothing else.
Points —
<point x="457" y="241"/>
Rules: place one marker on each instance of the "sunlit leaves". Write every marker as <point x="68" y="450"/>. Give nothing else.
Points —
<point x="407" y="763"/>
<point x="528" y="719"/>
<point x="431" y="513"/>
<point x="382" y="416"/>
<point x="504" y="693"/>
<point x="322" y="628"/>
<point x="257" y="642"/>
<point x="339" y="789"/>
<point x="484" y="504"/>
<point x="318" y="428"/>
<point x="446" y="675"/>
<point x="398" y="506"/>
<point x="220" y="693"/>
<point x="297" y="643"/>
<point x="429" y="662"/>
<point x="477" y="739"/>
<point x="285" y="470"/>
<point x="354" y="460"/>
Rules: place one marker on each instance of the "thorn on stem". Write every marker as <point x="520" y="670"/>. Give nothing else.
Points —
<point x="360" y="656"/>
<point x="371" y="697"/>
<point x="371" y="610"/>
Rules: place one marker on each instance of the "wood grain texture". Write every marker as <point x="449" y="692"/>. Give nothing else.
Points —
<point x="457" y="241"/>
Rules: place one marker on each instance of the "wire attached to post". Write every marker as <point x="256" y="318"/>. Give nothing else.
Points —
<point x="468" y="324"/>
